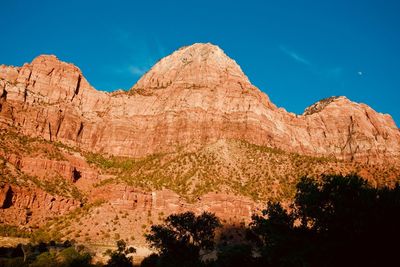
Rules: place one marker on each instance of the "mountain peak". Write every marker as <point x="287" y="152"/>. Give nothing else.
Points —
<point x="195" y="66"/>
<point x="323" y="103"/>
<point x="45" y="57"/>
<point x="53" y="62"/>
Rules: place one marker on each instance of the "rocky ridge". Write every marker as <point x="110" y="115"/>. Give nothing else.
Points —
<point x="193" y="97"/>
<point x="192" y="134"/>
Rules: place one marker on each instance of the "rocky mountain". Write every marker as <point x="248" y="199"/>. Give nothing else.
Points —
<point x="193" y="97"/>
<point x="192" y="133"/>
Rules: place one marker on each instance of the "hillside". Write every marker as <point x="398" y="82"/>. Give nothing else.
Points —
<point x="192" y="134"/>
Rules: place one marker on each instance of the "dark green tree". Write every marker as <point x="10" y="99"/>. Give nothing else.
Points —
<point x="276" y="238"/>
<point x="238" y="255"/>
<point x="151" y="261"/>
<point x="73" y="258"/>
<point x="339" y="221"/>
<point x="182" y="238"/>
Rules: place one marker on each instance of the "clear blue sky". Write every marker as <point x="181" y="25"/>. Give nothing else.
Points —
<point x="296" y="51"/>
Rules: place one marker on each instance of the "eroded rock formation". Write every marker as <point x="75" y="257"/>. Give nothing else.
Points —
<point x="21" y="205"/>
<point x="193" y="97"/>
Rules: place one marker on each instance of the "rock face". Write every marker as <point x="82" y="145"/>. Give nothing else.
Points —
<point x="197" y="104"/>
<point x="167" y="201"/>
<point x="20" y="206"/>
<point x="195" y="96"/>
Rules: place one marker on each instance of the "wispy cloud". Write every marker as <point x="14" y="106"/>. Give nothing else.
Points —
<point x="137" y="71"/>
<point x="131" y="70"/>
<point x="294" y="55"/>
<point x="324" y="72"/>
<point x="142" y="52"/>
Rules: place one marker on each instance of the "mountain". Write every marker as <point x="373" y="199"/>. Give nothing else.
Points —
<point x="192" y="133"/>
<point x="194" y="97"/>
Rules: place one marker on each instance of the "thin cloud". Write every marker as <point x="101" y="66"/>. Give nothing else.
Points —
<point x="129" y="70"/>
<point x="138" y="71"/>
<point x="141" y="52"/>
<point x="295" y="56"/>
<point x="329" y="73"/>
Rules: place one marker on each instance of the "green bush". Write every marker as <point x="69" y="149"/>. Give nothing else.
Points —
<point x="15" y="231"/>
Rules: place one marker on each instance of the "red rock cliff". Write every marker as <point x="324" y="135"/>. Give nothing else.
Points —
<point x="195" y="96"/>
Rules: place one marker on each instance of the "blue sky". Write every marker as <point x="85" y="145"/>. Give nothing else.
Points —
<point x="295" y="51"/>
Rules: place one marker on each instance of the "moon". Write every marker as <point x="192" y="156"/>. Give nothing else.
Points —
<point x="360" y="73"/>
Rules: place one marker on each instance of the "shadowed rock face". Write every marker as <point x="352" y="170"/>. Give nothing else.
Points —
<point x="6" y="195"/>
<point x="193" y="97"/>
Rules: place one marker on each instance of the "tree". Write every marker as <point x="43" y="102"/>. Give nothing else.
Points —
<point x="182" y="237"/>
<point x="70" y="257"/>
<point x="45" y="259"/>
<point x="239" y="255"/>
<point x="339" y="221"/>
<point x="150" y="261"/>
<point x="119" y="257"/>
<point x="276" y="238"/>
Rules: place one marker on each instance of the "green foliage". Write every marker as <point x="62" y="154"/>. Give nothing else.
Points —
<point x="339" y="221"/>
<point x="181" y="238"/>
<point x="68" y="257"/>
<point x="194" y="174"/>
<point x="259" y="172"/>
<point x="46" y="259"/>
<point x="105" y="182"/>
<point x="55" y="228"/>
<point x="57" y="185"/>
<point x="111" y="162"/>
<point x="47" y="254"/>
<point x="71" y="257"/>
<point x="44" y="234"/>
<point x="65" y="147"/>
<point x="12" y="230"/>
<point x="13" y="142"/>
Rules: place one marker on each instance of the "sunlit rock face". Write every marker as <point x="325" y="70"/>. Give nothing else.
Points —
<point x="195" y="96"/>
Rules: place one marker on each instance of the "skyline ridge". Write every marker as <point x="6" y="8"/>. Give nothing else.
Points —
<point x="180" y="49"/>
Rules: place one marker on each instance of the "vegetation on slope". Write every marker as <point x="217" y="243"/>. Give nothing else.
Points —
<point x="54" y="185"/>
<point x="14" y="146"/>
<point x="259" y="172"/>
<point x="57" y="228"/>
<point x="14" y="143"/>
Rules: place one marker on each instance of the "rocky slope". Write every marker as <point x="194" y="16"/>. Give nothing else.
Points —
<point x="63" y="192"/>
<point x="192" y="134"/>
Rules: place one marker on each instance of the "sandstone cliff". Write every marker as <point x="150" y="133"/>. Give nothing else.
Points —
<point x="193" y="97"/>
<point x="192" y="134"/>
